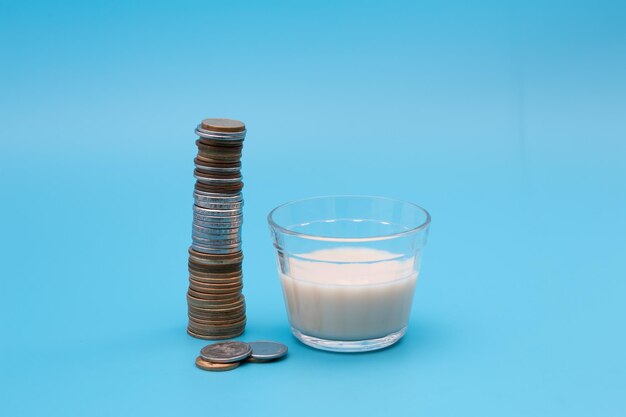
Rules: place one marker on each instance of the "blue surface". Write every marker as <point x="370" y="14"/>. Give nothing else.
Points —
<point x="507" y="120"/>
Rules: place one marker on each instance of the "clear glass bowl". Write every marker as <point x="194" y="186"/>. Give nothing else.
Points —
<point x="348" y="267"/>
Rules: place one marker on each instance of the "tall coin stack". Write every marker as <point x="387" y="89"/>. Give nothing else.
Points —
<point x="216" y="306"/>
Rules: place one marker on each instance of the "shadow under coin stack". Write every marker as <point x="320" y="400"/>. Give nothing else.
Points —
<point x="216" y="306"/>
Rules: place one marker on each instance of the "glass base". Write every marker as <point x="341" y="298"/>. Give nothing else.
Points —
<point x="350" y="345"/>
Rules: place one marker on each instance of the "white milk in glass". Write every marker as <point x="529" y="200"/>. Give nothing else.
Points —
<point x="348" y="293"/>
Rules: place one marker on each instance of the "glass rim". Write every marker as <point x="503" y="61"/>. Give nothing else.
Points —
<point x="416" y="229"/>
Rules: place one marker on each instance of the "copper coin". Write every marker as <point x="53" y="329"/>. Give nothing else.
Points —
<point x="223" y="125"/>
<point x="215" y="367"/>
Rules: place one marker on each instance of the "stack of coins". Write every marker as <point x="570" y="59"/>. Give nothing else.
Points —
<point x="216" y="306"/>
<point x="225" y="356"/>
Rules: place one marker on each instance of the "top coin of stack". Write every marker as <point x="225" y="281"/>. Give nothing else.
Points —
<point x="216" y="305"/>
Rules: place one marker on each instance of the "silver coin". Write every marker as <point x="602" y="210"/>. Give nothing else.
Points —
<point x="234" y="196"/>
<point x="226" y="236"/>
<point x="227" y="205"/>
<point x="226" y="352"/>
<point x="216" y="170"/>
<point x="266" y="350"/>
<point x="215" y="243"/>
<point x="217" y="206"/>
<point x="210" y="231"/>
<point x="222" y="202"/>
<point x="224" y="136"/>
<point x="209" y="166"/>
<point x="213" y="247"/>
<point x="212" y="179"/>
<point x="235" y="231"/>
<point x="210" y="225"/>
<point x="217" y="181"/>
<point x="217" y="222"/>
<point x="214" y="206"/>
<point x="219" y="196"/>
<point x="215" y="251"/>
<point x="201" y="211"/>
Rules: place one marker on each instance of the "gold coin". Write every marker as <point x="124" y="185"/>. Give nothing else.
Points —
<point x="216" y="367"/>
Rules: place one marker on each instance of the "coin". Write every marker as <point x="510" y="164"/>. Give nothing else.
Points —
<point x="213" y="321"/>
<point x="199" y="232"/>
<point x="223" y="125"/>
<point x="230" y="213"/>
<point x="225" y="326"/>
<point x="219" y="240"/>
<point x="206" y="336"/>
<point x="226" y="352"/>
<point x="217" y="164"/>
<point x="216" y="276"/>
<point x="218" y="198"/>
<point x="212" y="366"/>
<point x="229" y="307"/>
<point x="218" y="327"/>
<point x="229" y="259"/>
<point x="202" y="303"/>
<point x="204" y="167"/>
<point x="211" y="292"/>
<point x="217" y="222"/>
<point x="216" y="251"/>
<point x="192" y="333"/>
<point x="217" y="286"/>
<point x="222" y="189"/>
<point x="215" y="180"/>
<point x="232" y="227"/>
<point x="204" y="271"/>
<point x="264" y="351"/>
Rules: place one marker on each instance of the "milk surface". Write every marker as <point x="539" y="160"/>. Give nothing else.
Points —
<point x="348" y="293"/>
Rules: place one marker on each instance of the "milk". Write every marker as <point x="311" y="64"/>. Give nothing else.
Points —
<point x="348" y="293"/>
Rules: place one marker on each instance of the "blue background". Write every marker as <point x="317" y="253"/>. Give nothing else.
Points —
<point x="507" y="120"/>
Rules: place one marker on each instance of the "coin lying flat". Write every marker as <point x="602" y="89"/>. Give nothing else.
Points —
<point x="226" y="352"/>
<point x="264" y="351"/>
<point x="223" y="125"/>
<point x="212" y="366"/>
